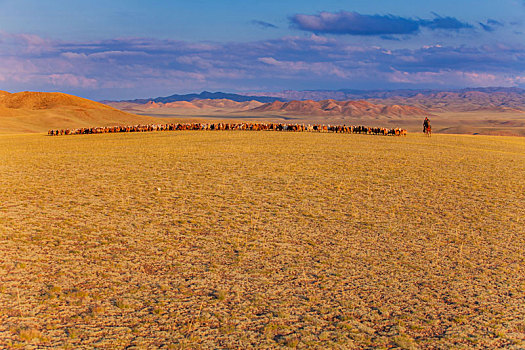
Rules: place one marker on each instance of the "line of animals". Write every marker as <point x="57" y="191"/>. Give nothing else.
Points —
<point x="234" y="126"/>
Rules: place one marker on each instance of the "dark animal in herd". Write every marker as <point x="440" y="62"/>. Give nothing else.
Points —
<point x="234" y="126"/>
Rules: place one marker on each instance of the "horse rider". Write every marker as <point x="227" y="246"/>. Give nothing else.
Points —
<point x="426" y="124"/>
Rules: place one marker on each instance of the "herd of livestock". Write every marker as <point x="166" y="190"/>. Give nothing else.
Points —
<point x="234" y="126"/>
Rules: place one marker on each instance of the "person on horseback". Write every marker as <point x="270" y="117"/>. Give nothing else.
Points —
<point x="426" y="124"/>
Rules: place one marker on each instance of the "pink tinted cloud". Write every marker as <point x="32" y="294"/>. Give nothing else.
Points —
<point x="30" y="62"/>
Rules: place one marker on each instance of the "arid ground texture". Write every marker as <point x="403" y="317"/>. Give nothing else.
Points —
<point x="262" y="240"/>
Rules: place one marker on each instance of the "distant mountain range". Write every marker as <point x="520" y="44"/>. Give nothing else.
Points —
<point x="205" y="95"/>
<point x="492" y="111"/>
<point x="215" y="104"/>
<point x="349" y="94"/>
<point x="341" y="108"/>
<point x="495" y="99"/>
<point x="308" y="108"/>
<point x="462" y="101"/>
<point x="498" y="99"/>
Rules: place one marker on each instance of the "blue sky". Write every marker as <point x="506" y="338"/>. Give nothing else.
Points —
<point x="129" y="48"/>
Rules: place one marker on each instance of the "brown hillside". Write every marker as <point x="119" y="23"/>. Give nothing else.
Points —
<point x="40" y="111"/>
<point x="178" y="104"/>
<point x="205" y="106"/>
<point x="344" y="108"/>
<point x="225" y="104"/>
<point x="402" y="112"/>
<point x="219" y="104"/>
<point x="274" y="106"/>
<point x="46" y="100"/>
<point x="462" y="101"/>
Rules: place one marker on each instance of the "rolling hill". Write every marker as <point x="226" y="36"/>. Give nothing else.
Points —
<point x="498" y="99"/>
<point x="40" y="111"/>
<point x="308" y="108"/>
<point x="493" y="112"/>
<point x="205" y="107"/>
<point x="218" y="104"/>
<point x="340" y="108"/>
<point x="462" y="101"/>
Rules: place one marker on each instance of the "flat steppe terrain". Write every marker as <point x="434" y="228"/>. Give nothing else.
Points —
<point x="262" y="240"/>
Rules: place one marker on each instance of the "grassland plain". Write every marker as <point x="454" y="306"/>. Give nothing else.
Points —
<point x="262" y="240"/>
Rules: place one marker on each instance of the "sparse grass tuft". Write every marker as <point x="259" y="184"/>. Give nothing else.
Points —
<point x="405" y="342"/>
<point x="30" y="334"/>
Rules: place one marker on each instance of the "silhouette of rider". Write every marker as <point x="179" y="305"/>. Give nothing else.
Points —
<point x="426" y="123"/>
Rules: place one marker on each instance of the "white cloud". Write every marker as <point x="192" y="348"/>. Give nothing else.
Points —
<point x="72" y="80"/>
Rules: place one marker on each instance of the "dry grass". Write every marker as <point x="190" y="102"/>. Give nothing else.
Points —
<point x="480" y="122"/>
<point x="262" y="240"/>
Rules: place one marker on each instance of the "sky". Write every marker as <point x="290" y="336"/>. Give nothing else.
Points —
<point x="124" y="49"/>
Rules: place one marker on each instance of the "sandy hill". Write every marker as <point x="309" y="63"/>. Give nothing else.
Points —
<point x="497" y="99"/>
<point x="227" y="104"/>
<point x="195" y="107"/>
<point x="45" y="100"/>
<point x="465" y="101"/>
<point x="308" y="108"/>
<point x="344" y="108"/>
<point x="214" y="104"/>
<point x="41" y="111"/>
